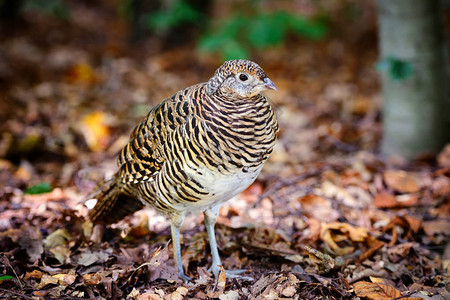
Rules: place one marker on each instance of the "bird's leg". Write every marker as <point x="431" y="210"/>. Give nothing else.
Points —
<point x="175" y="229"/>
<point x="210" y="220"/>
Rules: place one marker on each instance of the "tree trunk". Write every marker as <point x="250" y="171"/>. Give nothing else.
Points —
<point x="416" y="105"/>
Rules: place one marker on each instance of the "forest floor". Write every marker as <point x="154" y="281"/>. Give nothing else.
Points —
<point x="329" y="217"/>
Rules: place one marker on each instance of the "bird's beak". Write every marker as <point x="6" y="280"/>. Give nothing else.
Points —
<point x="268" y="84"/>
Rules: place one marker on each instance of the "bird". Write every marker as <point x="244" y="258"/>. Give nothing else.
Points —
<point x="193" y="152"/>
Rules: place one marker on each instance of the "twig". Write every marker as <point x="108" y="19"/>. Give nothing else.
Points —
<point x="282" y="183"/>
<point x="366" y="273"/>
<point x="16" y="294"/>
<point x="405" y="295"/>
<point x="6" y="261"/>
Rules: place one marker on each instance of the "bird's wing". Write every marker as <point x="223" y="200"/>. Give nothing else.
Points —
<point x="142" y="158"/>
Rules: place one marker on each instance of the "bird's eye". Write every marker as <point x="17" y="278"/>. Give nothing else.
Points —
<point x="243" y="77"/>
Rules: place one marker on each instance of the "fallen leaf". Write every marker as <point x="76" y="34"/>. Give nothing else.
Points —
<point x="216" y="290"/>
<point x="401" y="181"/>
<point x="5" y="277"/>
<point x="81" y="73"/>
<point x="57" y="238"/>
<point x="414" y="223"/>
<point x="35" y="274"/>
<point x="179" y="294"/>
<point x="46" y="280"/>
<point x="335" y="232"/>
<point x="331" y="190"/>
<point x="65" y="279"/>
<point x="55" y="195"/>
<point x="386" y="200"/>
<point x="370" y="252"/>
<point x="230" y="295"/>
<point x="158" y="266"/>
<point x="318" y="207"/>
<point x="41" y="188"/>
<point x="377" y="291"/>
<point x="133" y="294"/>
<point x="88" y="258"/>
<point x="95" y="130"/>
<point x="149" y="296"/>
<point x="381" y="280"/>
<point x="439" y="226"/>
<point x="92" y="279"/>
<point x="31" y="241"/>
<point x="57" y="244"/>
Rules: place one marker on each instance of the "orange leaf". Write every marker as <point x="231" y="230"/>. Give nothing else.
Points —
<point x="386" y="200"/>
<point x="82" y="73"/>
<point x="401" y="181"/>
<point x="414" y="223"/>
<point x="332" y="233"/>
<point x="377" y="291"/>
<point x="95" y="130"/>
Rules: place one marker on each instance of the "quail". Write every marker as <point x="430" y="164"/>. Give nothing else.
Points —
<point x="194" y="151"/>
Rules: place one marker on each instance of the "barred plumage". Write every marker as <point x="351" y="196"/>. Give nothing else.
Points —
<point x="194" y="151"/>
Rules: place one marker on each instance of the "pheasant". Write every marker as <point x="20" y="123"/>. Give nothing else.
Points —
<point x="194" y="151"/>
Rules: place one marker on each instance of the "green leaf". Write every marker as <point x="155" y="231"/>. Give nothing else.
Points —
<point x="235" y="50"/>
<point x="41" y="188"/>
<point x="56" y="8"/>
<point x="267" y="30"/>
<point x="397" y="69"/>
<point x="211" y="42"/>
<point x="225" y="39"/>
<point x="179" y="13"/>
<point x="312" y="29"/>
<point x="5" y="277"/>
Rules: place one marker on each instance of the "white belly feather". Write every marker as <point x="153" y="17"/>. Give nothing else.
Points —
<point x="221" y="187"/>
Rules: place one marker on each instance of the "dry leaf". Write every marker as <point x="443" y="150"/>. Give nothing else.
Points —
<point x="149" y="296"/>
<point x="179" y="294"/>
<point x="81" y="73"/>
<point x="31" y="241"/>
<point x="439" y="226"/>
<point x="377" y="291"/>
<point x="65" y="279"/>
<point x="414" y="223"/>
<point x="335" y="232"/>
<point x="57" y="238"/>
<point x="230" y="295"/>
<point x="218" y="289"/>
<point x="35" y="274"/>
<point x="386" y="200"/>
<point x="401" y="181"/>
<point x="318" y="207"/>
<point x="88" y="258"/>
<point x="95" y="130"/>
<point x="370" y="252"/>
<point x="133" y="294"/>
<point x="92" y="279"/>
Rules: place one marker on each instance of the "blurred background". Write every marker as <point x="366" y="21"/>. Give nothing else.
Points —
<point x="76" y="76"/>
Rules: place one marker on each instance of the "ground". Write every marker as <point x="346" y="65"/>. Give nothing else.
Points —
<point x="329" y="217"/>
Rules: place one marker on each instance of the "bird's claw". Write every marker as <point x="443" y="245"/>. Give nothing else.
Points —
<point x="184" y="277"/>
<point x="228" y="273"/>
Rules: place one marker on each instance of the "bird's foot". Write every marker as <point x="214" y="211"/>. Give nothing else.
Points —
<point x="235" y="273"/>
<point x="184" y="277"/>
<point x="228" y="273"/>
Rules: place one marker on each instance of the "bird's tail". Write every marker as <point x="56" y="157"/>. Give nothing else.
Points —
<point x="113" y="202"/>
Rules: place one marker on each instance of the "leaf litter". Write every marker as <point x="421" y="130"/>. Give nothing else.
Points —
<point x="327" y="218"/>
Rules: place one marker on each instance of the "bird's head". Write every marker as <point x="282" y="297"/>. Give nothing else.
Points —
<point x="239" y="78"/>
